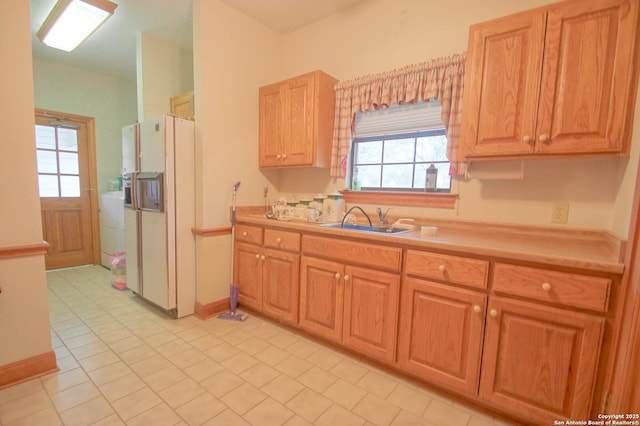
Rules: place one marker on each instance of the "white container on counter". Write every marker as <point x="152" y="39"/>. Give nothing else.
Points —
<point x="318" y="203"/>
<point x="333" y="207"/>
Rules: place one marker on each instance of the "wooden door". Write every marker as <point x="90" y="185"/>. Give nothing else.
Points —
<point x="299" y="122"/>
<point x="321" y="297"/>
<point x="280" y="285"/>
<point x="502" y="85"/>
<point x="247" y="274"/>
<point x="560" y="350"/>
<point x="586" y="76"/>
<point x="271" y="149"/>
<point x="371" y="312"/>
<point x="66" y="177"/>
<point x="440" y="337"/>
<point x="183" y="106"/>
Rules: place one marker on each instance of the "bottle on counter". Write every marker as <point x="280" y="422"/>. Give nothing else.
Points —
<point x="355" y="184"/>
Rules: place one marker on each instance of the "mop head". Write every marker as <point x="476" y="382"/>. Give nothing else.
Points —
<point x="233" y="316"/>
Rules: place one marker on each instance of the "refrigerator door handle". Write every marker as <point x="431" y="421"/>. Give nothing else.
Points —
<point x="134" y="191"/>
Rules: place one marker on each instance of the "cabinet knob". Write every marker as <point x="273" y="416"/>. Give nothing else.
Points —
<point x="284" y="156"/>
<point x="546" y="287"/>
<point x="493" y="313"/>
<point x="477" y="309"/>
<point x="346" y="277"/>
<point x="527" y="139"/>
<point x="262" y="257"/>
<point x="278" y="240"/>
<point x="278" y="156"/>
<point x="244" y="234"/>
<point x="442" y="268"/>
<point x="337" y="276"/>
<point x="258" y="256"/>
<point x="544" y="138"/>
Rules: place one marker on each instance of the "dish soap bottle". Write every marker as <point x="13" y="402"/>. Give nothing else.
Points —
<point x="432" y="177"/>
<point x="355" y="185"/>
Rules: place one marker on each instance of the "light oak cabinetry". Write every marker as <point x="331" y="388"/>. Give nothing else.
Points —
<point x="441" y="326"/>
<point x="557" y="80"/>
<point x="346" y="299"/>
<point x="296" y="121"/>
<point x="267" y="273"/>
<point x="540" y="362"/>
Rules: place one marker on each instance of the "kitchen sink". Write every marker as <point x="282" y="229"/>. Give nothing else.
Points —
<point x="366" y="228"/>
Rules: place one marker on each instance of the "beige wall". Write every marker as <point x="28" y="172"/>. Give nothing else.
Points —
<point x="233" y="57"/>
<point x="164" y="70"/>
<point x="24" y="313"/>
<point x="110" y="100"/>
<point x="381" y="35"/>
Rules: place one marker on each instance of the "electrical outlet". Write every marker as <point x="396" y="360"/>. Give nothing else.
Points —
<point x="560" y="212"/>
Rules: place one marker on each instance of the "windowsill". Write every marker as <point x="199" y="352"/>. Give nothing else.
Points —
<point x="440" y="200"/>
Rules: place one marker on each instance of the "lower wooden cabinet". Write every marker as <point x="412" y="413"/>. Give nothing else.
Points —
<point x="247" y="274"/>
<point x="280" y="284"/>
<point x="539" y="362"/>
<point x="353" y="305"/>
<point x="440" y="337"/>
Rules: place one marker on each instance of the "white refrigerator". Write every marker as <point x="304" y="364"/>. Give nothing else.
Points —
<point x="159" y="170"/>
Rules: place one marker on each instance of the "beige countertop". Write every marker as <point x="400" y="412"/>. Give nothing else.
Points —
<point x="574" y="248"/>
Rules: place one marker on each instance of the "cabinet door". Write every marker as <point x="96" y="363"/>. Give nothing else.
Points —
<point x="280" y="285"/>
<point x="271" y="140"/>
<point x="502" y="85"/>
<point x="440" y="337"/>
<point x="299" y="123"/>
<point x="371" y="312"/>
<point x="321" y="297"/>
<point x="247" y="274"/>
<point x="586" y="76"/>
<point x="539" y="362"/>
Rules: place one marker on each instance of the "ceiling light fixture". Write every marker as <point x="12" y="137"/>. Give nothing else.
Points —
<point x="72" y="21"/>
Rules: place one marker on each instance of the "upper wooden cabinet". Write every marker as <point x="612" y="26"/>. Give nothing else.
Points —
<point x="183" y="106"/>
<point x="557" y="80"/>
<point x="296" y="121"/>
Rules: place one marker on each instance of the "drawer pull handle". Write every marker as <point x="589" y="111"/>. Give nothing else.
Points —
<point x="493" y="313"/>
<point x="546" y="287"/>
<point x="477" y="309"/>
<point x="527" y="139"/>
<point x="442" y="268"/>
<point x="337" y="276"/>
<point x="346" y="277"/>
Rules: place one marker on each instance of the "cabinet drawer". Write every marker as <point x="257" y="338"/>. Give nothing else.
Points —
<point x="563" y="288"/>
<point x="249" y="234"/>
<point x="453" y="269"/>
<point x="376" y="256"/>
<point x="283" y="240"/>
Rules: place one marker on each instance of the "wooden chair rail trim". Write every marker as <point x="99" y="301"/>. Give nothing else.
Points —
<point x="213" y="232"/>
<point x="24" y="250"/>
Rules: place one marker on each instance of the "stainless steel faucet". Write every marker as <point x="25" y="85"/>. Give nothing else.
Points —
<point x="382" y="216"/>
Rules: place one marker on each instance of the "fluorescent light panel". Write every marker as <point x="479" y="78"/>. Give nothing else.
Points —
<point x="72" y="21"/>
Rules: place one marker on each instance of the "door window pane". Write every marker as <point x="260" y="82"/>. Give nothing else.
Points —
<point x="69" y="163"/>
<point x="45" y="137"/>
<point x="48" y="185"/>
<point x="67" y="139"/>
<point x="70" y="186"/>
<point x="47" y="162"/>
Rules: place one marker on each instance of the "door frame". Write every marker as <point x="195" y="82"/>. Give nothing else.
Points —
<point x="90" y="123"/>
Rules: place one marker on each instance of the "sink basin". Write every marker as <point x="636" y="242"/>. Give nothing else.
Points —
<point x="367" y="228"/>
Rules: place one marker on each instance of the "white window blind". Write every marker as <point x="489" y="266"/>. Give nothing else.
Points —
<point x="399" y="119"/>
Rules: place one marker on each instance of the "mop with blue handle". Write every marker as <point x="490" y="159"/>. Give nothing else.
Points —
<point x="233" y="289"/>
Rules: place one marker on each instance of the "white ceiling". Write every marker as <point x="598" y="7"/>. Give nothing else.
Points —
<point x="112" y="48"/>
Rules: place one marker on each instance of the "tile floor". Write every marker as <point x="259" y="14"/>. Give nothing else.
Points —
<point x="124" y="362"/>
